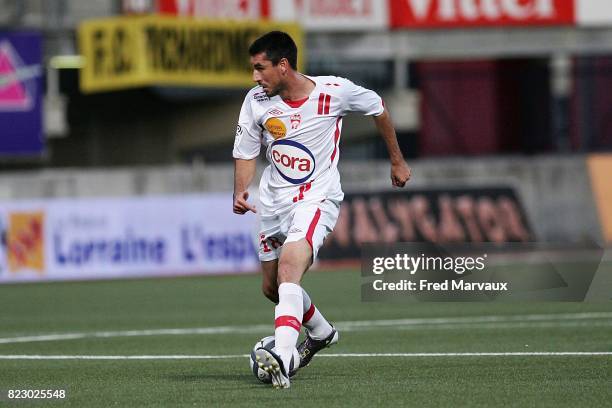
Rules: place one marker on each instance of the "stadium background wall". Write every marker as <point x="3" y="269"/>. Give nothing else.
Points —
<point x="550" y="188"/>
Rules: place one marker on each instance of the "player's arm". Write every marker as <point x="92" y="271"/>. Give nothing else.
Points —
<point x="367" y="102"/>
<point x="244" y="171"/>
<point x="400" y="172"/>
<point x="246" y="150"/>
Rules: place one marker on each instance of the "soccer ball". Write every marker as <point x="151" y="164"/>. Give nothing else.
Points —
<point x="268" y="344"/>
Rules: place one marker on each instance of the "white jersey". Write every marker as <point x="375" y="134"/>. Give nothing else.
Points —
<point x="301" y="140"/>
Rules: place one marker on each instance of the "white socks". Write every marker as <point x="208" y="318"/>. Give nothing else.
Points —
<point x="294" y="309"/>
<point x="318" y="327"/>
<point x="287" y="320"/>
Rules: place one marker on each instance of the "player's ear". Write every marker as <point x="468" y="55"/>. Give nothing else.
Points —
<point x="284" y="65"/>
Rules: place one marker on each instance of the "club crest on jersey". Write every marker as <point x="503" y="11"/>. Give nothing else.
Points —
<point x="276" y="127"/>
<point x="294" y="162"/>
<point x="296" y="119"/>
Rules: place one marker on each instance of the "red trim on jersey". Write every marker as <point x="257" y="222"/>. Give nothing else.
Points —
<point x="327" y="101"/>
<point x="295" y="104"/>
<point x="336" y="137"/>
<point x="308" y="314"/>
<point x="321" y="98"/>
<point x="290" y="321"/>
<point x="311" y="228"/>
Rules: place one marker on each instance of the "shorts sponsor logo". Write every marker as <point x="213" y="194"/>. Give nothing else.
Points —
<point x="276" y="127"/>
<point x="294" y="162"/>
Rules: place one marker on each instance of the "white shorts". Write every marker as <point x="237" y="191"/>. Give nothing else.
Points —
<point x="312" y="221"/>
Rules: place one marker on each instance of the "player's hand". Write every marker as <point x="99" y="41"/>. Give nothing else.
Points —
<point x="241" y="206"/>
<point x="400" y="174"/>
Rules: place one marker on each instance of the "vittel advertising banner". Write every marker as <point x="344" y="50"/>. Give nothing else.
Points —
<point x="127" y="237"/>
<point x="480" y="13"/>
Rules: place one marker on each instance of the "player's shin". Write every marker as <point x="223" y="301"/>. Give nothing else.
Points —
<point x="288" y="319"/>
<point x="318" y="327"/>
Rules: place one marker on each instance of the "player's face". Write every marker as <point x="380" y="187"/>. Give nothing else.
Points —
<point x="266" y="74"/>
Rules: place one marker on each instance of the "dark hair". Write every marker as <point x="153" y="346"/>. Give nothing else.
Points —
<point x="276" y="45"/>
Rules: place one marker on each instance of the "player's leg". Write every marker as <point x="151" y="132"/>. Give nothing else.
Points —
<point x="269" y="282"/>
<point x="319" y="332"/>
<point x="270" y="242"/>
<point x="315" y="323"/>
<point x="318" y="327"/>
<point x="306" y="230"/>
<point x="294" y="260"/>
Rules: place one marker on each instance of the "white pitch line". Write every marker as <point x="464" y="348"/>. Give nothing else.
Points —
<point x="493" y="354"/>
<point x="101" y="357"/>
<point x="493" y="322"/>
<point x="343" y="355"/>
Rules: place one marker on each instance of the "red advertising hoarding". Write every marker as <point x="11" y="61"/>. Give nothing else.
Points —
<point x="216" y="9"/>
<point x="480" y="13"/>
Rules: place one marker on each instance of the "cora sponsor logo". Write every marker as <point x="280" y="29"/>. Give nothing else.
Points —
<point x="294" y="162"/>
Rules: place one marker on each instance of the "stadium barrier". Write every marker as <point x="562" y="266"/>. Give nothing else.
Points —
<point x="443" y="215"/>
<point x="124" y="237"/>
<point x="551" y="199"/>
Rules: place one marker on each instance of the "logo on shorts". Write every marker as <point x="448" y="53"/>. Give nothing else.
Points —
<point x="276" y="127"/>
<point x="294" y="162"/>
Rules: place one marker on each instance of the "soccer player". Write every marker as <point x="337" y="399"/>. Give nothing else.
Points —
<point x="298" y="118"/>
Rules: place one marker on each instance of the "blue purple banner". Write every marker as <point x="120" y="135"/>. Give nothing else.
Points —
<point x="21" y="69"/>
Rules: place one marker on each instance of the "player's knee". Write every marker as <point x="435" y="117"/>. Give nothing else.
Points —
<point x="294" y="261"/>
<point x="290" y="271"/>
<point x="270" y="291"/>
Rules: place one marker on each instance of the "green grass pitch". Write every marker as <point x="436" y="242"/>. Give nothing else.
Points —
<point x="119" y="312"/>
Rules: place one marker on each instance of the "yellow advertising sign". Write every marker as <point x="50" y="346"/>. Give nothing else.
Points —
<point x="600" y="170"/>
<point x="126" y="52"/>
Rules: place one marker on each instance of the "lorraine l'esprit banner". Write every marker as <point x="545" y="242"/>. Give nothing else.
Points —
<point x="125" y="52"/>
<point x="66" y="239"/>
<point x="20" y="94"/>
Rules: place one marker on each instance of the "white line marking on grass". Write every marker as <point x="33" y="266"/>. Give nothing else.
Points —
<point x="101" y="357"/>
<point x="493" y="354"/>
<point x="344" y="355"/>
<point x="443" y="323"/>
